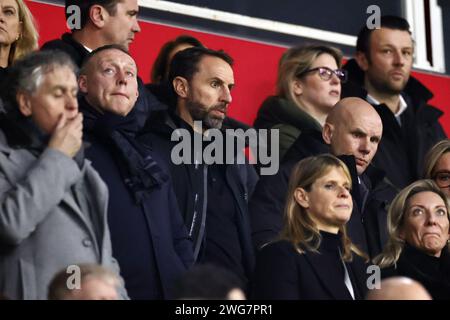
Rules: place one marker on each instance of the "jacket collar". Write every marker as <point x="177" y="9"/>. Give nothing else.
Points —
<point x="424" y="262"/>
<point x="323" y="273"/>
<point x="80" y="52"/>
<point x="373" y="175"/>
<point x="165" y="122"/>
<point x="355" y="271"/>
<point x="326" y="278"/>
<point x="309" y="143"/>
<point x="275" y="110"/>
<point x="414" y="88"/>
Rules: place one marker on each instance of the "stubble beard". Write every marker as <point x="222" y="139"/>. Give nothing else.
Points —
<point x="386" y="85"/>
<point x="199" y="112"/>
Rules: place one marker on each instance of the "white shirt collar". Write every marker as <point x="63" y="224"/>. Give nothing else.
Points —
<point x="402" y="106"/>
<point x="88" y="49"/>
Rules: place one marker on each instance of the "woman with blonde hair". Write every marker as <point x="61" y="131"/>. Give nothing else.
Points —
<point x="314" y="257"/>
<point x="18" y="34"/>
<point x="308" y="86"/>
<point x="418" y="245"/>
<point x="437" y="165"/>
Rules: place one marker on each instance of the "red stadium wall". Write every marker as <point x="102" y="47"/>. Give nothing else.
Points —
<point x="255" y="63"/>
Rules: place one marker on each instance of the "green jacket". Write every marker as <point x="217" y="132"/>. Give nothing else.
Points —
<point x="279" y="113"/>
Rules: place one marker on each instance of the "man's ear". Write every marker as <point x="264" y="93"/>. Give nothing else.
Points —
<point x="297" y="87"/>
<point x="24" y="103"/>
<point x="82" y="83"/>
<point x="301" y="197"/>
<point x="181" y="87"/>
<point x="361" y="60"/>
<point x="327" y="132"/>
<point x="98" y="15"/>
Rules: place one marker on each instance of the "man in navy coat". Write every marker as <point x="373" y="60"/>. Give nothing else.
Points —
<point x="148" y="235"/>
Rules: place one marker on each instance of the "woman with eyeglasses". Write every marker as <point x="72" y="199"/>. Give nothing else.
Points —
<point x="308" y="86"/>
<point x="437" y="165"/>
<point x="418" y="245"/>
<point x="314" y="259"/>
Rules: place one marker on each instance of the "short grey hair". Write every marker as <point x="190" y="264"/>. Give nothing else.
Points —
<point x="27" y="73"/>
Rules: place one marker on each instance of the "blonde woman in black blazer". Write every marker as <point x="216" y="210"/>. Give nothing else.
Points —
<point x="314" y="258"/>
<point x="419" y="241"/>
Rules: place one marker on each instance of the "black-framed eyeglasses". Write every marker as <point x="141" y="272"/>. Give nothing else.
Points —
<point x="442" y="179"/>
<point x="326" y="73"/>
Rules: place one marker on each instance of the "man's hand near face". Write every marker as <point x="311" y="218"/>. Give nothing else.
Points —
<point x="68" y="134"/>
